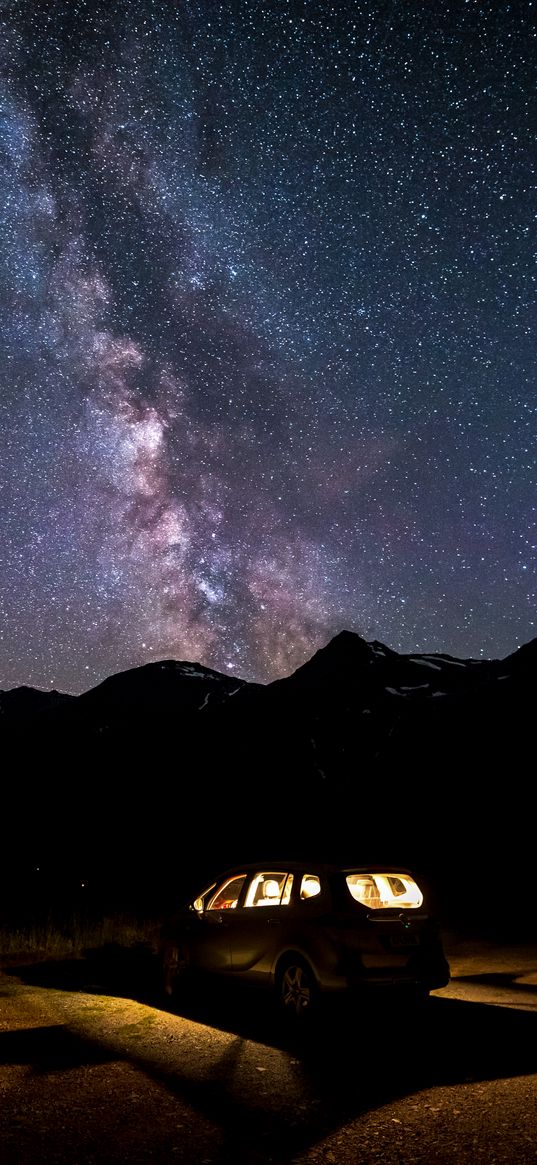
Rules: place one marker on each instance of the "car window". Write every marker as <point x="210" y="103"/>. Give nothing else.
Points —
<point x="228" y="894"/>
<point x="310" y="886"/>
<point x="268" y="888"/>
<point x="380" y="891"/>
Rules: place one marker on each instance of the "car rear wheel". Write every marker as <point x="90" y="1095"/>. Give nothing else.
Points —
<point x="297" y="988"/>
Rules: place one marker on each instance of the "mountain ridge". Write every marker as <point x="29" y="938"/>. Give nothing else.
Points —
<point x="344" y="640"/>
<point x="173" y="767"/>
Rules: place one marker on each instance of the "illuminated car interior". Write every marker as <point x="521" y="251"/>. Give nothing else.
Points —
<point x="310" y="887"/>
<point x="227" y="896"/>
<point x="382" y="891"/>
<point x="269" y="889"/>
<point x="375" y="890"/>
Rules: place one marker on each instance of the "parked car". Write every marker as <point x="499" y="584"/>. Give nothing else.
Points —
<point x="305" y="930"/>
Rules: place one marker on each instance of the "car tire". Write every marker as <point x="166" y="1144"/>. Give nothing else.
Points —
<point x="297" y="988"/>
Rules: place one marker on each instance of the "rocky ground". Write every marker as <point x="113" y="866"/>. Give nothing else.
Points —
<point x="90" y="1074"/>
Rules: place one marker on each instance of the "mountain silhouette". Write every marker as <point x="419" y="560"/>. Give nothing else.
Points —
<point x="172" y="766"/>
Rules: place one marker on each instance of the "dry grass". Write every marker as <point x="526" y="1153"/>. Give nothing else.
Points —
<point x="73" y="936"/>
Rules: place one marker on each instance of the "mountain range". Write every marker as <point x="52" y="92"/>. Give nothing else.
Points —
<point x="363" y="672"/>
<point x="362" y="748"/>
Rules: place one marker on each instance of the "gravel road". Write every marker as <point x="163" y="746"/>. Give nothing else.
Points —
<point x="89" y="1076"/>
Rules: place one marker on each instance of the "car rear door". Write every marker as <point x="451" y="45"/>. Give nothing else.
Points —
<point x="392" y="941"/>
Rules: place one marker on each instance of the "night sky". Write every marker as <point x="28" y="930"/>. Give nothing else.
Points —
<point x="267" y="319"/>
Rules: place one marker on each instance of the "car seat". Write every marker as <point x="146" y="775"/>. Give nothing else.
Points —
<point x="271" y="891"/>
<point x="310" y="887"/>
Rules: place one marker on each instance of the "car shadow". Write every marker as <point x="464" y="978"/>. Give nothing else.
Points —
<point x="512" y="980"/>
<point x="440" y="1042"/>
<point x="111" y="969"/>
<point x="350" y="1062"/>
<point x="345" y="1062"/>
<point x="50" y="1049"/>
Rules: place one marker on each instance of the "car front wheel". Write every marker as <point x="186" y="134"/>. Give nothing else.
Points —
<point x="297" y="988"/>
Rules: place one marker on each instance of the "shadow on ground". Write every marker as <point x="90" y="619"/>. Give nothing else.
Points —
<point x="342" y="1064"/>
<point x="512" y="980"/>
<point x="50" y="1049"/>
<point x="112" y="969"/>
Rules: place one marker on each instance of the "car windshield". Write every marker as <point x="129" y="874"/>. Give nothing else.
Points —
<point x="381" y="891"/>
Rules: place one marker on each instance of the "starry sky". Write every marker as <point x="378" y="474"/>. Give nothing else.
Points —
<point x="267" y="328"/>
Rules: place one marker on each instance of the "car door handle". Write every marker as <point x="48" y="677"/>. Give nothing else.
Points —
<point x="273" y="922"/>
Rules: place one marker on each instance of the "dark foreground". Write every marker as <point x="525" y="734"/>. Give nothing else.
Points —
<point x="91" y="1074"/>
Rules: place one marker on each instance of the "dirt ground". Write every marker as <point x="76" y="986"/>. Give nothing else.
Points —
<point x="91" y="1074"/>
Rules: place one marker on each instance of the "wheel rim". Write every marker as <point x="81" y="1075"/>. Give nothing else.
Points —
<point x="296" y="990"/>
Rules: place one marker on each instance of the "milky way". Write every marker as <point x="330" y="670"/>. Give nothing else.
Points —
<point x="268" y="331"/>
